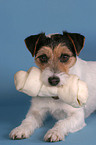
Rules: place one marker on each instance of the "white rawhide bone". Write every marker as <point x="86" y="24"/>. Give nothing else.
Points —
<point x="74" y="92"/>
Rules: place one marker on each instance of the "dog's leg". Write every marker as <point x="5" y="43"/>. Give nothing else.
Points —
<point x="33" y="120"/>
<point x="72" y="123"/>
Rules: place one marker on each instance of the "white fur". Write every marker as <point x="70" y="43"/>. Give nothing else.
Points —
<point x="48" y="73"/>
<point x="70" y="119"/>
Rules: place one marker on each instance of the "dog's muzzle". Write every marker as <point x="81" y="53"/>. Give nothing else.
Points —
<point x="54" y="80"/>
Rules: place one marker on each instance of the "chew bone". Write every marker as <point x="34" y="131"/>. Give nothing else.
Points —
<point x="74" y="92"/>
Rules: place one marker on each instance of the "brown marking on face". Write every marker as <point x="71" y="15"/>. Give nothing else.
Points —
<point x="44" y="50"/>
<point x="63" y="67"/>
<point x="54" y="58"/>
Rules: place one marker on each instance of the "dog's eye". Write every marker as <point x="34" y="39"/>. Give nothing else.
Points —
<point x="64" y="58"/>
<point x="43" y="58"/>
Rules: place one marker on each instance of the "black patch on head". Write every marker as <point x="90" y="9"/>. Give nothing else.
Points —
<point x="73" y="41"/>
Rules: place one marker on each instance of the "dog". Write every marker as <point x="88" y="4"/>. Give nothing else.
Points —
<point x="57" y="57"/>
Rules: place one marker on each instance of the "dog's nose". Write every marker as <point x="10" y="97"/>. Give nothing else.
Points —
<point x="53" y="81"/>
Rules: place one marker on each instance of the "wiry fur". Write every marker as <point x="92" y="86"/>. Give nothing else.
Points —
<point x="46" y="73"/>
<point x="69" y="119"/>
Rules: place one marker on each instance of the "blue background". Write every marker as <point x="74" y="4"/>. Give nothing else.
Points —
<point x="19" y="19"/>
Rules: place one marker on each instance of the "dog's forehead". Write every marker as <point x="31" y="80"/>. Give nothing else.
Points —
<point x="57" y="39"/>
<point x="50" y="40"/>
<point x="53" y="40"/>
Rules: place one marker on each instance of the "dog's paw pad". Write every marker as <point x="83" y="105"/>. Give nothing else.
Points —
<point x="20" y="133"/>
<point x="53" y="136"/>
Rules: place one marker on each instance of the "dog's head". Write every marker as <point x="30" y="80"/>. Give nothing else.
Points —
<point x="55" y="54"/>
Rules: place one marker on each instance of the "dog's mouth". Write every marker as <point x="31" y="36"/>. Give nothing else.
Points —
<point x="55" y="79"/>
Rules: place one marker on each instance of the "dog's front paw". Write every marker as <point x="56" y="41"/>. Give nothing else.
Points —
<point x="20" y="132"/>
<point x="54" y="135"/>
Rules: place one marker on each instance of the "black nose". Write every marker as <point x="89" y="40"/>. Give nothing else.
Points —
<point x="53" y="81"/>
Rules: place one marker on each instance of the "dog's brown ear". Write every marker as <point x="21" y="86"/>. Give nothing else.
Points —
<point x="77" y="41"/>
<point x="32" y="42"/>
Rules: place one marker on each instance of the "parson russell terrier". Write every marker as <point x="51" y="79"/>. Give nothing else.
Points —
<point x="57" y="56"/>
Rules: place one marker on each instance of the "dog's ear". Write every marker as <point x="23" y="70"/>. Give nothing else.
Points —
<point x="77" y="41"/>
<point x="32" y="42"/>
